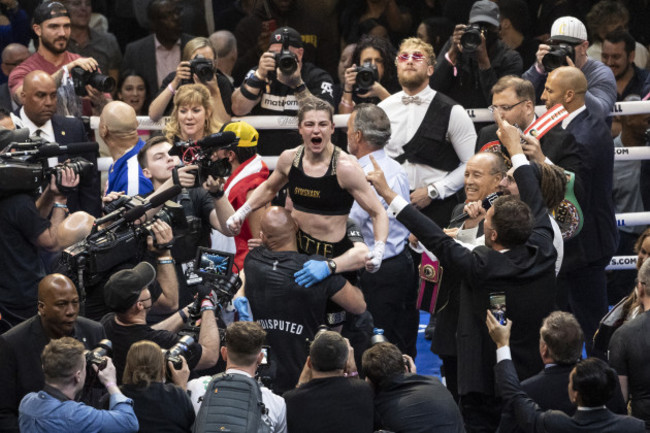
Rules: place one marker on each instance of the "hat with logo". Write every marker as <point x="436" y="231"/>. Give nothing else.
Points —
<point x="248" y="136"/>
<point x="568" y="29"/>
<point x="484" y="11"/>
<point x="123" y="288"/>
<point x="295" y="40"/>
<point x="48" y="10"/>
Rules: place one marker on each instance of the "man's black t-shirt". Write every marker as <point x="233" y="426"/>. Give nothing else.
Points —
<point x="123" y="337"/>
<point x="20" y="226"/>
<point x="279" y="100"/>
<point x="289" y="313"/>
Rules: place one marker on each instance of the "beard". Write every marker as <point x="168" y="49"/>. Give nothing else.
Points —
<point x="623" y="72"/>
<point x="51" y="47"/>
<point x="412" y="81"/>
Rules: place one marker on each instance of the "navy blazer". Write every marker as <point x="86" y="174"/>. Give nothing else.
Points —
<point x="526" y="273"/>
<point x="533" y="420"/>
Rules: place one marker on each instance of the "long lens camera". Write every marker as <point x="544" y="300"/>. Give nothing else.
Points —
<point x="81" y="78"/>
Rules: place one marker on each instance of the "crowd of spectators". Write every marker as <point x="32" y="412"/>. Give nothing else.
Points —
<point x="333" y="239"/>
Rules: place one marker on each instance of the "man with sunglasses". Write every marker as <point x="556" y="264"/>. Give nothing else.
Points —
<point x="433" y="137"/>
<point x="127" y="294"/>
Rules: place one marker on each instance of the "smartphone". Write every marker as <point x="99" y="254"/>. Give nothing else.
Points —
<point x="498" y="306"/>
<point x="265" y="359"/>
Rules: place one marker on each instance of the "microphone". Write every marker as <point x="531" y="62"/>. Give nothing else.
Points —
<point x="218" y="139"/>
<point x="486" y="203"/>
<point x="155" y="201"/>
<point x="49" y="150"/>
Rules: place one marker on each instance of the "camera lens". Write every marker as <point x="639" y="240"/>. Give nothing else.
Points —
<point x="471" y="39"/>
<point x="103" y="83"/>
<point x="556" y="57"/>
<point x="288" y="65"/>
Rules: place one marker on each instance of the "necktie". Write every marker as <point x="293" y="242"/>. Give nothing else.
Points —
<point x="406" y="100"/>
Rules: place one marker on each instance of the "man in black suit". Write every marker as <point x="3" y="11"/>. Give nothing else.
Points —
<point x="517" y="260"/>
<point x="591" y="384"/>
<point x="560" y="347"/>
<point x="155" y="56"/>
<point x="21" y="347"/>
<point x="514" y="98"/>
<point x="582" y="276"/>
<point x="38" y="115"/>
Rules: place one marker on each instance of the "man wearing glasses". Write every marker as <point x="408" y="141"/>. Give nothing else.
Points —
<point x="433" y="137"/>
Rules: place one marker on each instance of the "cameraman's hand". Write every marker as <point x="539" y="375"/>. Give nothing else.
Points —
<point x="312" y="272"/>
<point x="97" y="99"/>
<point x="350" y="78"/>
<point x="186" y="175"/>
<point x="542" y="50"/>
<point x="455" y="46"/>
<point x="211" y="84"/>
<point x="376" y="90"/>
<point x="294" y="80"/>
<point x="111" y="196"/>
<point x="350" y="364"/>
<point x="86" y="63"/>
<point x="183" y="72"/>
<point x="500" y="334"/>
<point x="214" y="185"/>
<point x="482" y="55"/>
<point x="266" y="64"/>
<point x="409" y="364"/>
<point x="179" y="377"/>
<point x="164" y="237"/>
<point x="107" y="375"/>
<point x="68" y="179"/>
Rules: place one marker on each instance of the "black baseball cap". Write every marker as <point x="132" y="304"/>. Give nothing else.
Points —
<point x="123" y="288"/>
<point x="295" y="40"/>
<point x="48" y="10"/>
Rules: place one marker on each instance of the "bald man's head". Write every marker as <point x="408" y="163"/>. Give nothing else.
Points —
<point x="278" y="228"/>
<point x="39" y="97"/>
<point x="12" y="56"/>
<point x="58" y="305"/>
<point x="567" y="86"/>
<point x="118" y="125"/>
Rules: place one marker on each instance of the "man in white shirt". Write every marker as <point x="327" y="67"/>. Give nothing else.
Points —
<point x="433" y="137"/>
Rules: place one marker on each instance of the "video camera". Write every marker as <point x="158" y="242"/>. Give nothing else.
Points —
<point x="471" y="39"/>
<point x="366" y="76"/>
<point x="557" y="55"/>
<point x="123" y="239"/>
<point x="24" y="169"/>
<point x="201" y="151"/>
<point x="285" y="60"/>
<point x="81" y="78"/>
<point x="98" y="355"/>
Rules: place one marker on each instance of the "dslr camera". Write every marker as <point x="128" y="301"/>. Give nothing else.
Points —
<point x="98" y="355"/>
<point x="285" y="60"/>
<point x="557" y="55"/>
<point x="366" y="77"/>
<point x="471" y="39"/>
<point x="179" y="349"/>
<point x="81" y="78"/>
<point x="203" y="68"/>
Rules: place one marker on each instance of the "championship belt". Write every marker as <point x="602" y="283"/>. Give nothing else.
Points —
<point x="430" y="278"/>
<point x="568" y="213"/>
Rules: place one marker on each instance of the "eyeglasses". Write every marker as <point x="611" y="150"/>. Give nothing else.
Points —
<point x="416" y="57"/>
<point x="504" y="107"/>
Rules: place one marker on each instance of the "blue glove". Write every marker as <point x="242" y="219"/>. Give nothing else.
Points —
<point x="243" y="308"/>
<point x="312" y="272"/>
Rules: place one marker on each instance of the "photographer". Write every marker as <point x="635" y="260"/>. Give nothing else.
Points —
<point x="127" y="294"/>
<point x="197" y="66"/>
<point x="378" y="80"/>
<point x="21" y="347"/>
<point x="405" y="401"/>
<point x="273" y="89"/>
<point x="472" y="61"/>
<point x="55" y="409"/>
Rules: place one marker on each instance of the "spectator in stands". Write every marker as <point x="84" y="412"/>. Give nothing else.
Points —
<point x="268" y="91"/>
<point x="225" y="45"/>
<point x="12" y="56"/>
<point x="118" y="128"/>
<point x="55" y="409"/>
<point x="132" y="89"/>
<point x="601" y="90"/>
<point x="560" y="347"/>
<point x="157" y="55"/>
<point x="628" y="352"/>
<point x="21" y="347"/>
<point x="591" y="385"/>
<point x="51" y="23"/>
<point x="467" y="77"/>
<point x="393" y="15"/>
<point x="406" y="401"/>
<point x="423" y="119"/>
<point x="329" y="396"/>
<point x="374" y="52"/>
<point x="159" y="406"/>
<point x="127" y="295"/>
<point x="88" y="42"/>
<point x="15" y="29"/>
<point x="435" y="31"/>
<point x="192" y="17"/>
<point x="605" y="17"/>
<point x="582" y="277"/>
<point x="319" y="41"/>
<point x="618" y="53"/>
<point x="515" y="30"/>
<point x="220" y="88"/>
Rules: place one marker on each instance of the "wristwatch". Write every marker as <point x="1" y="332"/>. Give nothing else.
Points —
<point x="432" y="192"/>
<point x="332" y="265"/>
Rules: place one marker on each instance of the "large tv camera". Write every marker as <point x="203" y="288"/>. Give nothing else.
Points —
<point x="24" y="167"/>
<point x="122" y="238"/>
<point x="201" y="153"/>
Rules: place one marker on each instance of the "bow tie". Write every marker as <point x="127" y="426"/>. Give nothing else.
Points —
<point x="406" y="100"/>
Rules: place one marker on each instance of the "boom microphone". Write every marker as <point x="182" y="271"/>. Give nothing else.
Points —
<point x="486" y="203"/>
<point x="218" y="139"/>
<point x="73" y="148"/>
